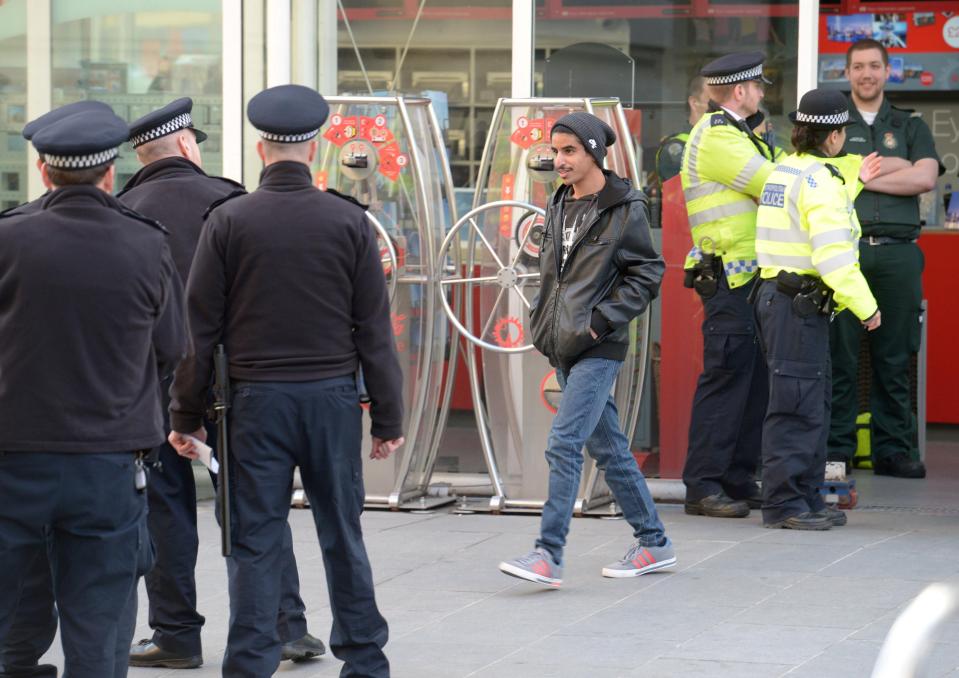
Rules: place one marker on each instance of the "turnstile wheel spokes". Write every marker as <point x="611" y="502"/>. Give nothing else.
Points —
<point x="510" y="278"/>
<point x="387" y="254"/>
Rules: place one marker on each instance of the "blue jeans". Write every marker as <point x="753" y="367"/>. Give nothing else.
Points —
<point x="587" y="415"/>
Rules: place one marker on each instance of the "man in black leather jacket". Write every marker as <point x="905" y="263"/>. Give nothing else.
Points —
<point x="598" y="271"/>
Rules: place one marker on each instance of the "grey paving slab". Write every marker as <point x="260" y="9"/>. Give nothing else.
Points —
<point x="665" y="667"/>
<point x="845" y="657"/>
<point x="850" y="617"/>
<point x="757" y="643"/>
<point x="560" y="650"/>
<point x="743" y="602"/>
<point x="635" y="617"/>
<point x="882" y="592"/>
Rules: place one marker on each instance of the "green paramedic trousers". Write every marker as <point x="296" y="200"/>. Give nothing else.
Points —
<point x="894" y="274"/>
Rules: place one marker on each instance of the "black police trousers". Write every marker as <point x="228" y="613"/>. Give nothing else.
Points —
<point x="275" y="427"/>
<point x="796" y="426"/>
<point x="34" y="624"/>
<point x="171" y="584"/>
<point x="725" y="430"/>
<point x="98" y="546"/>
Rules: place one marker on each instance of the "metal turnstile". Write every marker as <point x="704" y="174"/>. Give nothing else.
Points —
<point x="515" y="391"/>
<point x="388" y="153"/>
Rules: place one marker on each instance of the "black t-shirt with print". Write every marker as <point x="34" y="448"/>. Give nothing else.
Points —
<point x="574" y="217"/>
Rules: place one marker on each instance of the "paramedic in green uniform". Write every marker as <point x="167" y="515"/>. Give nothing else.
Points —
<point x="888" y="209"/>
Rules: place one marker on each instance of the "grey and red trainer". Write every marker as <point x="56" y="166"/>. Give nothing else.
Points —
<point x="641" y="559"/>
<point x="536" y="566"/>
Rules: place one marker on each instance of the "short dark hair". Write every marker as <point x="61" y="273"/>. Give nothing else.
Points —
<point x="863" y="45"/>
<point x="90" y="177"/>
<point x="806" y="138"/>
<point x="696" y="86"/>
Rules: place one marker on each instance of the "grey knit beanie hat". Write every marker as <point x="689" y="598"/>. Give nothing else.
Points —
<point x="593" y="133"/>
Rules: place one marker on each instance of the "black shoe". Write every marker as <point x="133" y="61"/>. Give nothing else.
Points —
<point x="38" y="671"/>
<point x="803" y="521"/>
<point x="305" y="648"/>
<point x="900" y="465"/>
<point x="718" y="506"/>
<point x="149" y="654"/>
<point x="835" y="517"/>
<point x="754" y="502"/>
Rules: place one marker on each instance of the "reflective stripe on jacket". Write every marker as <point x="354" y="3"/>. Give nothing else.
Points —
<point x="724" y="167"/>
<point x="807" y="224"/>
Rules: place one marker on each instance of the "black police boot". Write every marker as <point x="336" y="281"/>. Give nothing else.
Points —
<point x="803" y="521"/>
<point x="305" y="648"/>
<point x="149" y="654"/>
<point x="835" y="517"/>
<point x="899" y="465"/>
<point x="718" y="506"/>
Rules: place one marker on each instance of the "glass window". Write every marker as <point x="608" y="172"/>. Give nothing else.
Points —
<point x="140" y="59"/>
<point x="13" y="103"/>
<point x="667" y="44"/>
<point x="457" y="54"/>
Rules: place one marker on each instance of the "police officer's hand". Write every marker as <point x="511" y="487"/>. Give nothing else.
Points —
<point x="384" y="448"/>
<point x="871" y="167"/>
<point x="873" y="322"/>
<point x="183" y="445"/>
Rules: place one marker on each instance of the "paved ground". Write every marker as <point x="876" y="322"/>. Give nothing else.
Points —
<point x="743" y="602"/>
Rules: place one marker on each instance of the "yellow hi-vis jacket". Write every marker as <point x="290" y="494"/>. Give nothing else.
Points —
<point x="807" y="224"/>
<point x="724" y="167"/>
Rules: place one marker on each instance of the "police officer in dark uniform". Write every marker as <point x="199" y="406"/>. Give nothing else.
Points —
<point x="173" y="189"/>
<point x="35" y="625"/>
<point x="289" y="279"/>
<point x="91" y="317"/>
<point x="724" y="167"/>
<point x="892" y="262"/>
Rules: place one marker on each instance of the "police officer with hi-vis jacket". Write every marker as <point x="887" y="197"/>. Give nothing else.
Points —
<point x="807" y="243"/>
<point x="724" y="167"/>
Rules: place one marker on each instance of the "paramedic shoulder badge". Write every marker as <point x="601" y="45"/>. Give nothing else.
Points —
<point x="889" y="140"/>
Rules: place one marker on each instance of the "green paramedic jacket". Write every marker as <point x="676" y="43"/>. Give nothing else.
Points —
<point x="894" y="133"/>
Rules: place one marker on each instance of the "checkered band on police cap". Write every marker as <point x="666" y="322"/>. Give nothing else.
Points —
<point x="832" y="120"/>
<point x="78" y="162"/>
<point x="731" y="78"/>
<point x="169" y="127"/>
<point x="288" y="138"/>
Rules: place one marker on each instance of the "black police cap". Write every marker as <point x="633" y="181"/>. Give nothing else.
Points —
<point x="60" y="113"/>
<point x="171" y="118"/>
<point x="83" y="140"/>
<point x="733" y="68"/>
<point x="288" y="113"/>
<point x="822" y="109"/>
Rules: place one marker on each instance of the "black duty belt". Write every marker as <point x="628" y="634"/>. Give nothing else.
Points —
<point x="809" y="295"/>
<point x="884" y="240"/>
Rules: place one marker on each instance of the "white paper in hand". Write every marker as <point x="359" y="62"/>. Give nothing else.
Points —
<point x="206" y="454"/>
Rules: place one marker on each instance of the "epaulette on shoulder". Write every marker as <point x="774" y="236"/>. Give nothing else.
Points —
<point x="216" y="203"/>
<point x="133" y="214"/>
<point x="833" y="170"/>
<point x="901" y="115"/>
<point x="348" y="198"/>
<point x="11" y="212"/>
<point x="233" y="183"/>
<point x="717" y="118"/>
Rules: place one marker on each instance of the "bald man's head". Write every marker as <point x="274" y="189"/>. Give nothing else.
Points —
<point x="180" y="144"/>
